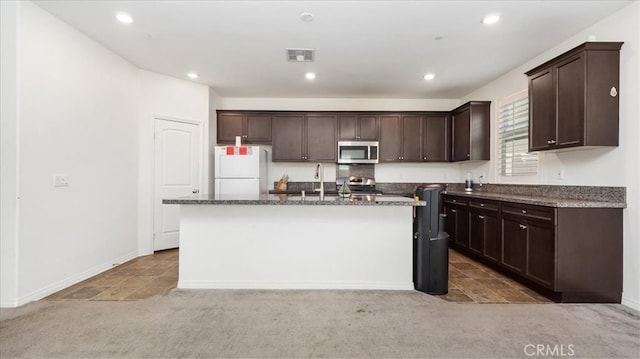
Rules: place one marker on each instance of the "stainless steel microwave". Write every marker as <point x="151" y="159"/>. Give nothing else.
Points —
<point x="357" y="151"/>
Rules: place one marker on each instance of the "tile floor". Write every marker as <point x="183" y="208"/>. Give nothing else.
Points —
<point x="139" y="278"/>
<point x="472" y="282"/>
<point x="143" y="277"/>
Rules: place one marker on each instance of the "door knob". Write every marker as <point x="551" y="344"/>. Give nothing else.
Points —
<point x="195" y="191"/>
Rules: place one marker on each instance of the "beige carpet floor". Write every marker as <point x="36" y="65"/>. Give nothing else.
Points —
<point x="300" y="324"/>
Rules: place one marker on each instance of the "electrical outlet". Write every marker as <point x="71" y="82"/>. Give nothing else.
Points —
<point x="60" y="180"/>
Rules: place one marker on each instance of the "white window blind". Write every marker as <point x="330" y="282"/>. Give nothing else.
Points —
<point x="513" y="137"/>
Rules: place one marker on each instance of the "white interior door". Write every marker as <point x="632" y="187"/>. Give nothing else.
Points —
<point x="177" y="174"/>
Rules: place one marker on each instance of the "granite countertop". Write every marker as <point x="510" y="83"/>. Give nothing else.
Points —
<point x="538" y="200"/>
<point x="287" y="199"/>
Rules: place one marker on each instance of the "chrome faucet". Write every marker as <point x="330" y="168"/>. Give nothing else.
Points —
<point x="320" y="176"/>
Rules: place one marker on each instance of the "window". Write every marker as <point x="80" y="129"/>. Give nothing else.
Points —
<point x="513" y="137"/>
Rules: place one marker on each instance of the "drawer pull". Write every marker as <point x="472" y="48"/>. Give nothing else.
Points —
<point x="524" y="212"/>
<point x="481" y="204"/>
<point x="481" y="216"/>
<point x="523" y="226"/>
<point x="454" y="211"/>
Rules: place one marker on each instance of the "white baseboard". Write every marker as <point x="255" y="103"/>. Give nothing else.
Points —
<point x="295" y="285"/>
<point x="50" y="289"/>
<point x="630" y="302"/>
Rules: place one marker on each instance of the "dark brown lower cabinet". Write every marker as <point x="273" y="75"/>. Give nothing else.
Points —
<point x="567" y="254"/>
<point x="457" y="220"/>
<point x="484" y="237"/>
<point x="514" y="244"/>
<point x="541" y="253"/>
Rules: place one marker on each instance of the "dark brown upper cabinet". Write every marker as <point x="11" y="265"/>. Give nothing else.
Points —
<point x="573" y="98"/>
<point x="253" y="127"/>
<point x="470" y="136"/>
<point x="436" y="137"/>
<point x="400" y="138"/>
<point x="358" y="127"/>
<point x="301" y="137"/>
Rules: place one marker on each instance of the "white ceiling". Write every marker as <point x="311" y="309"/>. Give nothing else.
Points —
<point x="368" y="49"/>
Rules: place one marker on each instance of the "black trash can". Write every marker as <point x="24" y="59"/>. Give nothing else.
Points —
<point x="431" y="243"/>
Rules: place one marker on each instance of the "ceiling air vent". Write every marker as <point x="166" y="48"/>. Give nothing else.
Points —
<point x="300" y="55"/>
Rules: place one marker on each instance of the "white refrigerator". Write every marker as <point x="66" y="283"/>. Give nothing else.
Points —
<point x="240" y="170"/>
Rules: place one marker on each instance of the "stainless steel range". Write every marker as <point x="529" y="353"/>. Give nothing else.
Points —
<point x="359" y="177"/>
<point x="358" y="185"/>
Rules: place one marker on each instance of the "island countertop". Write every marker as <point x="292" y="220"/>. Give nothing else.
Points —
<point x="283" y="199"/>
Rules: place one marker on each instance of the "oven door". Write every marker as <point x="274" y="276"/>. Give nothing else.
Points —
<point x="357" y="152"/>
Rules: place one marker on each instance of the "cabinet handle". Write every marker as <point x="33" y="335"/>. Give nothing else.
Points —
<point x="468" y="155"/>
<point x="481" y="216"/>
<point x="481" y="204"/>
<point x="523" y="226"/>
<point x="524" y="212"/>
<point x="424" y="158"/>
<point x="551" y="142"/>
<point x="454" y="211"/>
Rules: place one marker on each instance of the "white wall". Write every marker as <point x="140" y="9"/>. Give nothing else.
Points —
<point x="170" y="98"/>
<point x="75" y="117"/>
<point x="9" y="15"/>
<point x="618" y="166"/>
<point x="71" y="106"/>
<point x="384" y="172"/>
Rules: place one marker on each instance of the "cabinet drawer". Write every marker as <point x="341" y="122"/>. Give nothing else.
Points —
<point x="456" y="200"/>
<point x="482" y="204"/>
<point x="529" y="211"/>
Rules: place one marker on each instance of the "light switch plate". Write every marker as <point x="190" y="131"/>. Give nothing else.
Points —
<point x="60" y="180"/>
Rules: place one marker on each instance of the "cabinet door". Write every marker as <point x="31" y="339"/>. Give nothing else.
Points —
<point x="450" y="222"/>
<point x="476" y="231"/>
<point x="390" y="138"/>
<point x="258" y="128"/>
<point x="542" y="111"/>
<point x="461" y="145"/>
<point x="435" y="139"/>
<point x="368" y="126"/>
<point x="288" y="138"/>
<point x="321" y="138"/>
<point x="570" y="82"/>
<point x="462" y="226"/>
<point x="491" y="236"/>
<point x="228" y="127"/>
<point x="541" y="253"/>
<point x="411" y="131"/>
<point x="514" y="243"/>
<point x="347" y="127"/>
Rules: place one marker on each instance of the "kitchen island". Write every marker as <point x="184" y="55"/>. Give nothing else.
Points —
<point x="292" y="242"/>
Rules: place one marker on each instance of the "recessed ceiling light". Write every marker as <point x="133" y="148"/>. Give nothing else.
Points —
<point x="124" y="18"/>
<point x="192" y="75"/>
<point x="491" y="19"/>
<point x="306" y="17"/>
<point x="429" y="76"/>
<point x="310" y="75"/>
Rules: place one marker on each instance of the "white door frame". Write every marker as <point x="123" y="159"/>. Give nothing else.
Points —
<point x="147" y="236"/>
